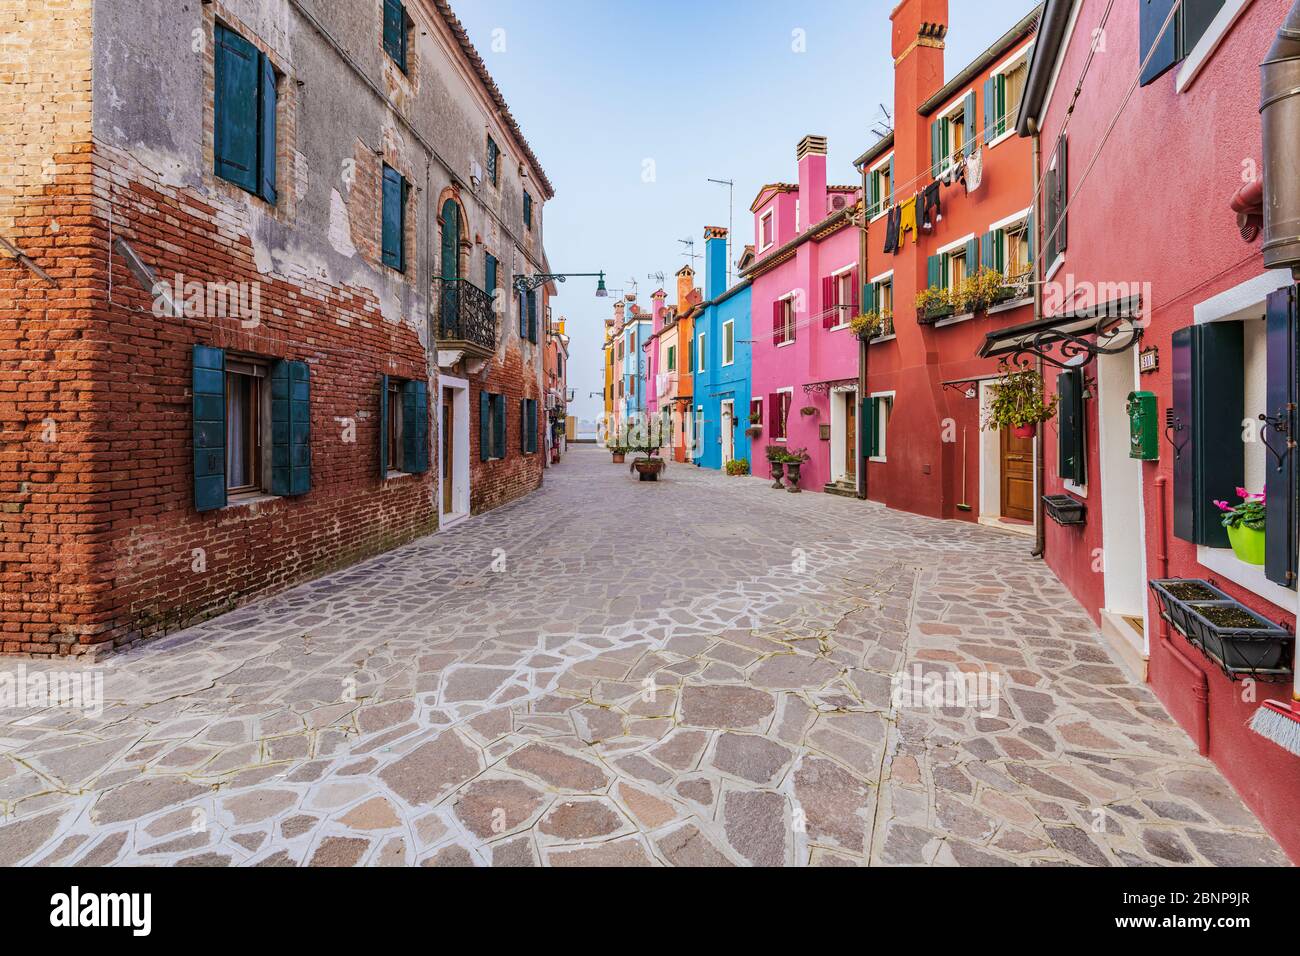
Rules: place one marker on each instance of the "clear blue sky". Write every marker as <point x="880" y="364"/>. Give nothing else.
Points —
<point x="712" y="89"/>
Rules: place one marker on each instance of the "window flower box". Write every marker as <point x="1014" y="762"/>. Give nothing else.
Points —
<point x="1240" y="641"/>
<point x="1064" y="509"/>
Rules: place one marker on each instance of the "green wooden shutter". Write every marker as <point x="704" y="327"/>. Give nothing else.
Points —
<point x="490" y="274"/>
<point x="237" y="67"/>
<point x="868" y="297"/>
<point x="891" y="180"/>
<point x="871" y="427"/>
<point x="383" y="426"/>
<point x="1163" y="50"/>
<point x="266" y="127"/>
<point x="1208" y="387"/>
<point x="532" y="425"/>
<point x="523" y="316"/>
<point x="934" y="272"/>
<point x="523" y="425"/>
<point x="290" y="428"/>
<point x="972" y="256"/>
<point x="988" y="250"/>
<point x="1070" y="428"/>
<point x="394" y="218"/>
<point x="532" y="315"/>
<point x="992" y="125"/>
<point x="209" y="427"/>
<point x="395" y="32"/>
<point x="1062" y="193"/>
<point x="484" y="426"/>
<point x="499" y="427"/>
<point x="972" y="124"/>
<point x="936" y="147"/>
<point x="415" y="427"/>
<point x="1281" y="478"/>
<point x="1029" y="235"/>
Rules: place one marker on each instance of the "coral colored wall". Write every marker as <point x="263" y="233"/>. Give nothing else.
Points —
<point x="1177" y="233"/>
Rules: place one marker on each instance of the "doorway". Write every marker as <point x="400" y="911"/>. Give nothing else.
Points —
<point x="1123" y="553"/>
<point x="728" y="431"/>
<point x="453" y="445"/>
<point x="1016" y="471"/>
<point x="851" y="436"/>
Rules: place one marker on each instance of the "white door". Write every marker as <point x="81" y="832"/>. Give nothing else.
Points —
<point x="1124" y="555"/>
<point x="728" y="431"/>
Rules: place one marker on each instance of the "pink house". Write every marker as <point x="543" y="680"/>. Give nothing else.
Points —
<point x="805" y="290"/>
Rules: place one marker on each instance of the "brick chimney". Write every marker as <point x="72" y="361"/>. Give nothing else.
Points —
<point x="811" y="154"/>
<point x="685" y="283"/>
<point x="618" y="313"/>
<point x="919" y="28"/>
<point x="715" y="262"/>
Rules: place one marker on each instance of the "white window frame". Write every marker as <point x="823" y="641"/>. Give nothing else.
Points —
<point x="887" y="276"/>
<point x="884" y="205"/>
<point x="794" y="318"/>
<point x="770" y="218"/>
<point x="881" y="431"/>
<point x="788" y="390"/>
<point x="945" y="116"/>
<point x="703" y="339"/>
<point x="837" y="275"/>
<point x="728" y="342"/>
<point x="1006" y="66"/>
<point x="1214" y="35"/>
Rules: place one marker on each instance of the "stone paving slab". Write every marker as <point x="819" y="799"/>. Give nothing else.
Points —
<point x="696" y="672"/>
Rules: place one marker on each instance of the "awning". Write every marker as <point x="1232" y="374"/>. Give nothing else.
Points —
<point x="1106" y="329"/>
<point x="831" y="385"/>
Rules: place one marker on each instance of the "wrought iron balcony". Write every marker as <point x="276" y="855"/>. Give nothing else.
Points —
<point x="465" y="317"/>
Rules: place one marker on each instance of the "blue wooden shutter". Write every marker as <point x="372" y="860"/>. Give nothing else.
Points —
<point x="1029" y="234"/>
<point x="523" y="425"/>
<point x="532" y="315"/>
<point x="1062" y="193"/>
<point x="383" y="426"/>
<point x="528" y="210"/>
<point x="1070" y="428"/>
<point x="490" y="274"/>
<point x="972" y="256"/>
<point x="266" y="129"/>
<point x="936" y="147"/>
<point x="395" y="32"/>
<point x="499" y="427"/>
<point x="1281" y="477"/>
<point x="988" y="248"/>
<point x="972" y="124"/>
<point x="891" y="180"/>
<point x="532" y="425"/>
<point x="209" y="427"/>
<point x="415" y="427"/>
<point x="237" y="67"/>
<point x="484" y="426"/>
<point x="1151" y="17"/>
<point x="523" y="316"/>
<point x="992" y="126"/>
<point x="290" y="428"/>
<point x="934" y="272"/>
<point x="394" y="218"/>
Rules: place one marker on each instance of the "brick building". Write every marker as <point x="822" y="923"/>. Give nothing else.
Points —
<point x="265" y="311"/>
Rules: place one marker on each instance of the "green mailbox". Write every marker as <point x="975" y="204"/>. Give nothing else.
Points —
<point x="1144" y="434"/>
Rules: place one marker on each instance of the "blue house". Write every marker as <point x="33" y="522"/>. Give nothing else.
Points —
<point x="722" y="361"/>
<point x="636" y="331"/>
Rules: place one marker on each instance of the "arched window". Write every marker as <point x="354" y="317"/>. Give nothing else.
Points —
<point x="450" y="240"/>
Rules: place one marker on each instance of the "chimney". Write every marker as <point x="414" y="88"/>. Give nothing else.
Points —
<point x="811" y="155"/>
<point x="917" y="41"/>
<point x="657" y="308"/>
<point x="685" y="283"/>
<point x="715" y="262"/>
<point x="618" y="314"/>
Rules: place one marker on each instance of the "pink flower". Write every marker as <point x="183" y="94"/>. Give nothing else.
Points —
<point x="1223" y="505"/>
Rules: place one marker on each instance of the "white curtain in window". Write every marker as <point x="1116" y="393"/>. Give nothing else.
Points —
<point x="237" y="464"/>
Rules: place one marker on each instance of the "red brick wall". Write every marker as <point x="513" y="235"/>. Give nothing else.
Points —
<point x="494" y="483"/>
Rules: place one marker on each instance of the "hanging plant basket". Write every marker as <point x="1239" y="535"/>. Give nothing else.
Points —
<point x="1024" y="431"/>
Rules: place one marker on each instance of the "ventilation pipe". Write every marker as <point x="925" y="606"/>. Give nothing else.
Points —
<point x="1279" y="107"/>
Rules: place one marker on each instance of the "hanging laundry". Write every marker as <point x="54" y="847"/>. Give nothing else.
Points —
<point x="907" y="220"/>
<point x="931" y="212"/>
<point x="891" y="230"/>
<point x="974" y="170"/>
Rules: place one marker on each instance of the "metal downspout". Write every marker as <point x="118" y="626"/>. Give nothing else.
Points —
<point x="1279" y="99"/>
<point x="863" y="351"/>
<point x="1040" y="533"/>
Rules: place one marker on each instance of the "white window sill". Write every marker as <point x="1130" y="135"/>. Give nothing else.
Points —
<point x="782" y="345"/>
<point x="880" y="215"/>
<point x="1011" y="304"/>
<point x="245" y="498"/>
<point x="1249" y="576"/>
<point x="1055" y="267"/>
<point x="1001" y="136"/>
<point x="728" y="364"/>
<point x="954" y="320"/>
<point x="1219" y="28"/>
<point x="883" y="338"/>
<point x="1072" y="488"/>
<point x="878" y="459"/>
<point x="838" y="328"/>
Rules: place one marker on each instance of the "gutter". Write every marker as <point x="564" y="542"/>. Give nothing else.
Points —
<point x="1051" y="34"/>
<point x="1040" y="469"/>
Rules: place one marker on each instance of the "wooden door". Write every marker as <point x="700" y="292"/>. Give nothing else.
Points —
<point x="447" y="470"/>
<point x="850" y="435"/>
<point x="1017" y="476"/>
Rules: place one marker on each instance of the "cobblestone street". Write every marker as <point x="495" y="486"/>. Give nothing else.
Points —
<point x="608" y="672"/>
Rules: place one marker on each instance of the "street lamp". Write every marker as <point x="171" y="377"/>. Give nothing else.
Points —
<point x="526" y="284"/>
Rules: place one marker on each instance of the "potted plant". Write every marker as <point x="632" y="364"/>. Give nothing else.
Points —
<point x="738" y="466"/>
<point x="870" y="325"/>
<point x="1223" y="629"/>
<point x="1245" y="524"/>
<point x="1019" y="401"/>
<point x="619" y="453"/>
<point x="981" y="290"/>
<point x="646" y="440"/>
<point x="776" y="460"/>
<point x="933" y="303"/>
<point x="793" y="462"/>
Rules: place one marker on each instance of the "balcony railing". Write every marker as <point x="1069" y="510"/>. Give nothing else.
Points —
<point x="465" y="315"/>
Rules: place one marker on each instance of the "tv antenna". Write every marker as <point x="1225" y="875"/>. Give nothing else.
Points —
<point x="731" y="218"/>
<point x="690" y="252"/>
<point x="658" y="277"/>
<point x="884" y="127"/>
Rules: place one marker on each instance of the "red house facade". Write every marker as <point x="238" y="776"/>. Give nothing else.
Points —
<point x="1161" y="276"/>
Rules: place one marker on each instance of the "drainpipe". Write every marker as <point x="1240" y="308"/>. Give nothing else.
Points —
<point x="1040" y="533"/>
<point x="1279" y="98"/>
<point x="864" y="353"/>
<point x="1200" y="686"/>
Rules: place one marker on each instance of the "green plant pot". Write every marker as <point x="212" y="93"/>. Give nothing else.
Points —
<point x="1247" y="544"/>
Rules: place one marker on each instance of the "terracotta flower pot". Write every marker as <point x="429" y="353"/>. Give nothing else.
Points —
<point x="778" y="471"/>
<point x="619" y="458"/>
<point x="648" y="469"/>
<point x="1024" y="431"/>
